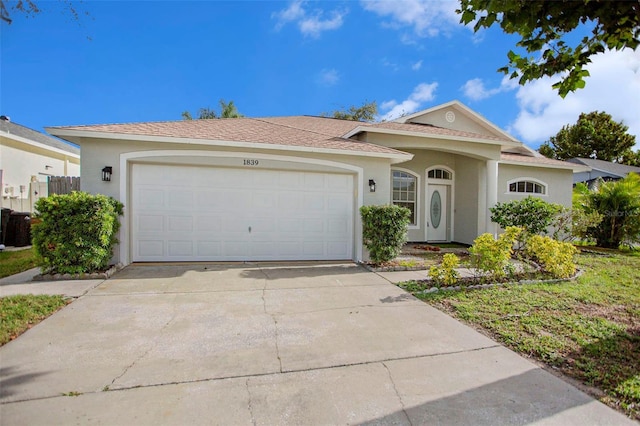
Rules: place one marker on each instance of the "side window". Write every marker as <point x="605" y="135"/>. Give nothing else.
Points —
<point x="404" y="187"/>
<point x="527" y="187"/>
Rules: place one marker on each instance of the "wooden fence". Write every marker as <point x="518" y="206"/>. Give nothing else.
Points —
<point x="63" y="184"/>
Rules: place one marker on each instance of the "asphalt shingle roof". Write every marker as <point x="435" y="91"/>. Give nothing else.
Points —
<point x="506" y="156"/>
<point x="307" y="131"/>
<point x="12" y="128"/>
<point x="614" y="168"/>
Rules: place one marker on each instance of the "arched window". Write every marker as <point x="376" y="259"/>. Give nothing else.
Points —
<point x="404" y="191"/>
<point x="527" y="186"/>
<point x="439" y="174"/>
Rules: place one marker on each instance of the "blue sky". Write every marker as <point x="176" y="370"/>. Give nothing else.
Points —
<point x="150" y="60"/>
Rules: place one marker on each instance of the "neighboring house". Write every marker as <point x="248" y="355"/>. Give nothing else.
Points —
<point x="290" y="188"/>
<point x="27" y="159"/>
<point x="601" y="169"/>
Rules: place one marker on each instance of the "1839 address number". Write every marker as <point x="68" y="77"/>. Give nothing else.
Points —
<point x="250" y="162"/>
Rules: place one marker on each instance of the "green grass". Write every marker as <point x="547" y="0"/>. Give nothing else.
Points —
<point x="12" y="262"/>
<point x="19" y="313"/>
<point x="588" y="329"/>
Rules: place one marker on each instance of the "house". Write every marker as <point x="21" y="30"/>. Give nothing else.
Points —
<point x="289" y="188"/>
<point x="601" y="169"/>
<point x="27" y="159"/>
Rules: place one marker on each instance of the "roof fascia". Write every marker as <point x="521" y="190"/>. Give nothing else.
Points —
<point x="398" y="157"/>
<point x="428" y="135"/>
<point x="576" y="169"/>
<point x="38" y="144"/>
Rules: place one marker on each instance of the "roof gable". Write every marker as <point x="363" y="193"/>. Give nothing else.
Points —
<point x="456" y="116"/>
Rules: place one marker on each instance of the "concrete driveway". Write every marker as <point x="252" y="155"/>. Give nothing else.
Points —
<point x="271" y="344"/>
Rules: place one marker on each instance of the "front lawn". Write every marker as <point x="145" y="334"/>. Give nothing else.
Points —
<point x="19" y="313"/>
<point x="588" y="329"/>
<point x="13" y="262"/>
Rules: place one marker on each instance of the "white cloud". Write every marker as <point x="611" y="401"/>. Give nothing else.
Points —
<point x="310" y="24"/>
<point x="417" y="65"/>
<point x="475" y="89"/>
<point x="328" y="77"/>
<point x="613" y="87"/>
<point x="427" y="18"/>
<point x="423" y="92"/>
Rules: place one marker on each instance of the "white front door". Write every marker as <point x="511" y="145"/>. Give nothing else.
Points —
<point x="437" y="213"/>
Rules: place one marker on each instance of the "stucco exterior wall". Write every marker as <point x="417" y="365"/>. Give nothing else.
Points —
<point x="100" y="153"/>
<point x="558" y="181"/>
<point x="461" y="122"/>
<point x="467" y="199"/>
<point x="21" y="164"/>
<point x="409" y="143"/>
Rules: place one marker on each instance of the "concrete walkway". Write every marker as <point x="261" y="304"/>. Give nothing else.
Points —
<point x="271" y="344"/>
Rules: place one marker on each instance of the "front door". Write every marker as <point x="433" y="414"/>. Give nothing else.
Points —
<point x="437" y="214"/>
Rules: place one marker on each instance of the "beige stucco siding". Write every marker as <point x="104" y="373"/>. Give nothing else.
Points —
<point x="118" y="154"/>
<point x="467" y="198"/>
<point x="409" y="143"/>
<point x="22" y="163"/>
<point x="558" y="182"/>
<point x="461" y="122"/>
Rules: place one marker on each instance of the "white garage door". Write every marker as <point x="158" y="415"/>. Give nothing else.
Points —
<point x="185" y="213"/>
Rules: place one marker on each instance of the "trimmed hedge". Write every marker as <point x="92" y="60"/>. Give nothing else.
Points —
<point x="75" y="233"/>
<point x="384" y="231"/>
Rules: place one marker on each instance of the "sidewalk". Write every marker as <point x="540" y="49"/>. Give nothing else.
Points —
<point x="23" y="283"/>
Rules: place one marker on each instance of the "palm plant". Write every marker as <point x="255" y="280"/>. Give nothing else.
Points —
<point x="619" y="204"/>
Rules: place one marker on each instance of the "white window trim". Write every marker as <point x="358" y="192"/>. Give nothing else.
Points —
<point x="528" y="179"/>
<point x="452" y="193"/>
<point x="417" y="200"/>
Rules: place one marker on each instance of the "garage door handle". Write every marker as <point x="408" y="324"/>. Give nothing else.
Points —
<point x="249" y="229"/>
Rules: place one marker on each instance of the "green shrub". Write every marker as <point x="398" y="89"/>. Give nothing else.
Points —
<point x="446" y="273"/>
<point x="492" y="256"/>
<point x="554" y="256"/>
<point x="76" y="232"/>
<point x="618" y="203"/>
<point x="384" y="231"/>
<point x="531" y="214"/>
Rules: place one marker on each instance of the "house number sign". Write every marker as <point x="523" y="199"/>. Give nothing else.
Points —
<point x="250" y="162"/>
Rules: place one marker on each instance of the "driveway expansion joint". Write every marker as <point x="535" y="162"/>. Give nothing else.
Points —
<point x="273" y="316"/>
<point x="250" y="402"/>
<point x="395" y="389"/>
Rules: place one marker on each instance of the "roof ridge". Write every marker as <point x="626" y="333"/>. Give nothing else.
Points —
<point x="265" y="120"/>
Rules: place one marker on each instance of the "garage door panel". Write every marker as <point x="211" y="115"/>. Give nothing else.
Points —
<point x="150" y="248"/>
<point x="150" y="198"/>
<point x="181" y="200"/>
<point x="209" y="249"/>
<point x="180" y="224"/>
<point x="149" y="223"/>
<point x="240" y="214"/>
<point x="178" y="248"/>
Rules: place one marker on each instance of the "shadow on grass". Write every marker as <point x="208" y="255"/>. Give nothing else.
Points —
<point x="611" y="364"/>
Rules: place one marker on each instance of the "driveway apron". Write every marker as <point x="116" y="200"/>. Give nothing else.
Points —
<point x="271" y="344"/>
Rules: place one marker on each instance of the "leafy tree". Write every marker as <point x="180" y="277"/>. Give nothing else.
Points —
<point x="30" y="8"/>
<point x="544" y="27"/>
<point x="367" y="112"/>
<point x="619" y="204"/>
<point x="595" y="135"/>
<point x="227" y="110"/>
<point x="631" y="158"/>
